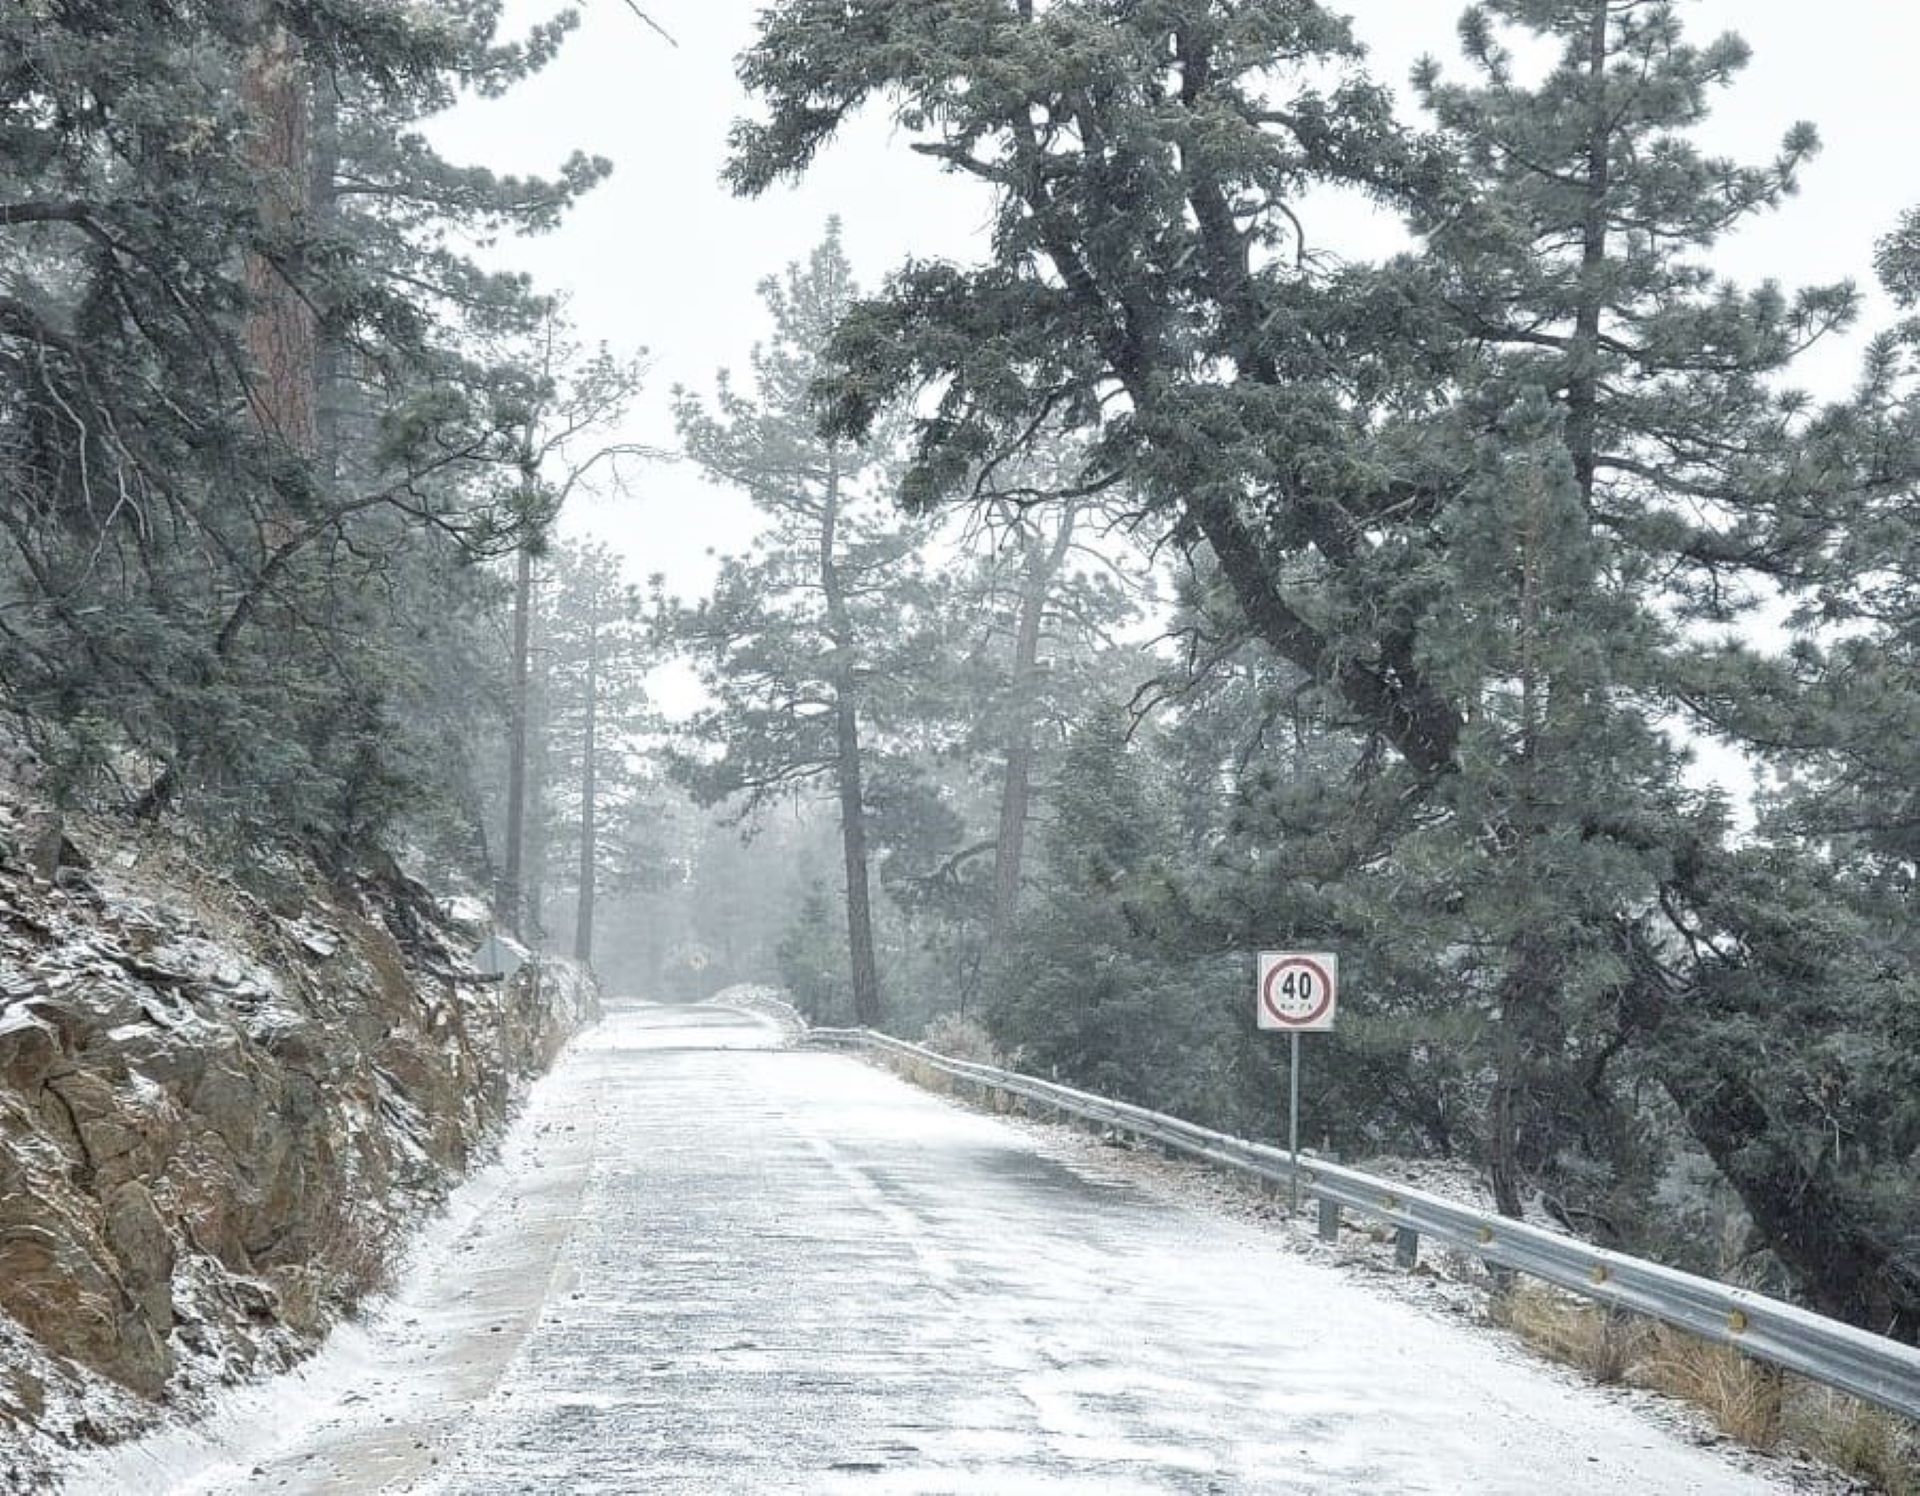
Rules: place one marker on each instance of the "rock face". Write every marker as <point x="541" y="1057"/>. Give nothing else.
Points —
<point x="218" y="1113"/>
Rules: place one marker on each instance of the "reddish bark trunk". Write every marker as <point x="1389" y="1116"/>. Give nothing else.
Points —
<point x="281" y="336"/>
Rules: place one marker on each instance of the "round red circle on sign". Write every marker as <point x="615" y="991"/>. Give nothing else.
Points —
<point x="1319" y="994"/>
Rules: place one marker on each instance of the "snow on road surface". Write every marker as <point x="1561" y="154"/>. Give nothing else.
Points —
<point x="709" y="1264"/>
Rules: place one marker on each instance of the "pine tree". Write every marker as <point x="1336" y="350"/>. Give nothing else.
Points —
<point x="1575" y="262"/>
<point x="596" y="714"/>
<point x="1477" y="500"/>
<point x="1098" y="984"/>
<point x="249" y="396"/>
<point x="562" y="440"/>
<point x="802" y="640"/>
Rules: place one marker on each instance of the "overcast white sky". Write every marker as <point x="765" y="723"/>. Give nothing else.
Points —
<point x="662" y="256"/>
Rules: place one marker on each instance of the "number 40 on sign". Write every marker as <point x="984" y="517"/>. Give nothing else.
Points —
<point x="1298" y="991"/>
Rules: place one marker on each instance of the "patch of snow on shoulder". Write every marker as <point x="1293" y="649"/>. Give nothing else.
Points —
<point x="768" y="1002"/>
<point x="1455" y="1181"/>
<point x="217" y="1441"/>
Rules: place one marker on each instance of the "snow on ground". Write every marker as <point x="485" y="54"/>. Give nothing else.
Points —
<point x="462" y="1299"/>
<point x="1448" y="1285"/>
<point x="763" y="1002"/>
<point x="63" y="1407"/>
<point x="705" y="1263"/>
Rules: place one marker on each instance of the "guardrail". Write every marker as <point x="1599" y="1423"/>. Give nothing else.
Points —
<point x="1837" y="1355"/>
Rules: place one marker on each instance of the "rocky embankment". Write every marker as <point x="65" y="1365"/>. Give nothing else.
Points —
<point x="219" y="1111"/>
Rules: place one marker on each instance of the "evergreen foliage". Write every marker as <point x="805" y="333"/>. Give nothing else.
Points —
<point x="812" y="643"/>
<point x="205" y="603"/>
<point x="598" y="798"/>
<point x="1487" y="505"/>
<point x="1100" y="982"/>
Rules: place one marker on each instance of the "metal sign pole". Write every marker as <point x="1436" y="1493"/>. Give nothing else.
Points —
<point x="1293" y="1128"/>
<point x="1295" y="992"/>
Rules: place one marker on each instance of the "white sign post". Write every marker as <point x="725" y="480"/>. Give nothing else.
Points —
<point x="1296" y="992"/>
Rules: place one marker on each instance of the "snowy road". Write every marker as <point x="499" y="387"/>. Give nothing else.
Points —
<point x="709" y="1264"/>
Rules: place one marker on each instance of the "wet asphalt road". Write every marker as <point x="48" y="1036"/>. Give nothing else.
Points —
<point x="794" y="1272"/>
<point x="711" y="1264"/>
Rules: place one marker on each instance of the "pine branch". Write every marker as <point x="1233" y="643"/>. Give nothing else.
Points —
<point x="652" y="25"/>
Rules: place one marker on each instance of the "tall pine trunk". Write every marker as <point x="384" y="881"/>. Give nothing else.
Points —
<point x="1583" y="377"/>
<point x="279" y="330"/>
<point x="330" y="360"/>
<point x="1528" y="1031"/>
<point x="853" y="842"/>
<point x="536" y="858"/>
<point x="589" y="831"/>
<point x="847" y="768"/>
<point x="1016" y="791"/>
<point x="509" y="900"/>
<point x="281" y="337"/>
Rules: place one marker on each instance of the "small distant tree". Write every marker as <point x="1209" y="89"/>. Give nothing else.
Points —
<point x="563" y="442"/>
<point x="596" y="656"/>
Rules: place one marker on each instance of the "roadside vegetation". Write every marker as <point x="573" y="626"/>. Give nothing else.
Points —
<point x="1157" y="581"/>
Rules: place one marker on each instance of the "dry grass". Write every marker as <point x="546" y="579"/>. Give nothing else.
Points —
<point x="1745" y="1397"/>
<point x="1748" y="1400"/>
<point x="1862" y="1440"/>
<point x="920" y="1073"/>
<point x="1608" y="1346"/>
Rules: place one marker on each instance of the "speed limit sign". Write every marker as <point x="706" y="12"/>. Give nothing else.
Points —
<point x="1298" y="990"/>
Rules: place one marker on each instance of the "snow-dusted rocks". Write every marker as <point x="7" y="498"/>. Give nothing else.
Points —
<point x="215" y="1115"/>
